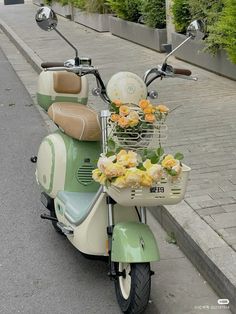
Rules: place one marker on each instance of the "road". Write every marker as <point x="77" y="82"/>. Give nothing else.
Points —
<point x="40" y="272"/>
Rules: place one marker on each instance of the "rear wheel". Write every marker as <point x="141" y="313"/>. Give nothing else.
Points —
<point x="133" y="287"/>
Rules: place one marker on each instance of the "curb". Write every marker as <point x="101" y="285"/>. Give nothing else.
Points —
<point x="26" y="51"/>
<point x="208" y="252"/>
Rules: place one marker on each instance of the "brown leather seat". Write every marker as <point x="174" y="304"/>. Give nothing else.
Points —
<point x="76" y="120"/>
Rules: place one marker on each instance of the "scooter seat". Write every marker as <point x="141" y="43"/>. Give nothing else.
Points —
<point x="76" y="120"/>
<point x="75" y="205"/>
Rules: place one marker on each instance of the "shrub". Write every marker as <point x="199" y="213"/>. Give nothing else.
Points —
<point x="182" y="15"/>
<point x="80" y="4"/>
<point x="154" y="13"/>
<point x="96" y="6"/>
<point x="126" y="9"/>
<point x="223" y="33"/>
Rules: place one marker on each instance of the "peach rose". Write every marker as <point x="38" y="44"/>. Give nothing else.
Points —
<point x="163" y="109"/>
<point x="144" y="103"/>
<point x="117" y="103"/>
<point x="115" y="117"/>
<point x="150" y="117"/>
<point x="123" y="122"/>
<point x="124" y="110"/>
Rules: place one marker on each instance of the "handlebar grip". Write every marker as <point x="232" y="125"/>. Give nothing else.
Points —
<point x="46" y="65"/>
<point x="182" y="72"/>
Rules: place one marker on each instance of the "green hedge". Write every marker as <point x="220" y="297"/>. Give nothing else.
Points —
<point x="154" y="13"/>
<point x="219" y="17"/>
<point x="149" y="12"/>
<point x="126" y="9"/>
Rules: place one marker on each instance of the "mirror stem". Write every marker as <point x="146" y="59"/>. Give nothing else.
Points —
<point x="173" y="51"/>
<point x="76" y="50"/>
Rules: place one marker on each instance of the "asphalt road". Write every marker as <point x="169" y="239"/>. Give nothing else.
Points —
<point x="40" y="272"/>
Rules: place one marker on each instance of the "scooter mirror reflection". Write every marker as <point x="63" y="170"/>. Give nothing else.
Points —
<point x="46" y="18"/>
<point x="196" y="29"/>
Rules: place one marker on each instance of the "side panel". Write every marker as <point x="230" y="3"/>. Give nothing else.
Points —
<point x="82" y="158"/>
<point x="51" y="164"/>
<point x="90" y="236"/>
<point x="66" y="164"/>
<point x="134" y="243"/>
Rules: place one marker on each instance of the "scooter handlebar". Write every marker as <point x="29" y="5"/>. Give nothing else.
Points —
<point x="46" y="65"/>
<point x="182" y="72"/>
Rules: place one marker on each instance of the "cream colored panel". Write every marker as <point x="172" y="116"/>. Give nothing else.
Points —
<point x="45" y="86"/>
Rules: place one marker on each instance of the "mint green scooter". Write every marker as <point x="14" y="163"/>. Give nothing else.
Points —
<point x="97" y="220"/>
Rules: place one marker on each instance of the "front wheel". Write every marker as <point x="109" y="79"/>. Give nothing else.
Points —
<point x="133" y="287"/>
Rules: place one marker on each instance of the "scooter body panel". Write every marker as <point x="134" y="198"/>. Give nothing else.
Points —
<point x="46" y="94"/>
<point x="134" y="242"/>
<point x="90" y="236"/>
<point x="65" y="164"/>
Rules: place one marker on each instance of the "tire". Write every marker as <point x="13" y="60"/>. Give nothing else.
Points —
<point x="133" y="288"/>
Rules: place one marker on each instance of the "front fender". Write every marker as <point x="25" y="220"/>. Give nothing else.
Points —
<point x="133" y="242"/>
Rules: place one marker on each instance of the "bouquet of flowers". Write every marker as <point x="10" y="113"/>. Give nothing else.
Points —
<point x="136" y="126"/>
<point x="128" y="169"/>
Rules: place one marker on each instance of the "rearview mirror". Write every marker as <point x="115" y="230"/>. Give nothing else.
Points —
<point x="196" y="29"/>
<point x="46" y="18"/>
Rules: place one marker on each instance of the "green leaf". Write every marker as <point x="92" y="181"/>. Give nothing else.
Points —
<point x="110" y="153"/>
<point x="160" y="151"/>
<point x="141" y="167"/>
<point x="172" y="172"/>
<point x="179" y="156"/>
<point x="111" y="144"/>
<point x="155" y="159"/>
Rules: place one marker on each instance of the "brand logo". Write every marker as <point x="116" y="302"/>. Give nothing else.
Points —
<point x="157" y="189"/>
<point x="131" y="89"/>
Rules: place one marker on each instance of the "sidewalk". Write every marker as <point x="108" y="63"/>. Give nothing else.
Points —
<point x="202" y="127"/>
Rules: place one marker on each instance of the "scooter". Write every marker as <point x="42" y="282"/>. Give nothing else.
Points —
<point x="102" y="221"/>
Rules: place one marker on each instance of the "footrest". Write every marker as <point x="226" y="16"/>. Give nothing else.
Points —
<point x="74" y="205"/>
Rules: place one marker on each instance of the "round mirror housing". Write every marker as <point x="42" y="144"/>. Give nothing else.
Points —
<point x="196" y="29"/>
<point x="46" y="18"/>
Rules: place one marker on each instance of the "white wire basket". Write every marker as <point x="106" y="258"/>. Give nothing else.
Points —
<point x="167" y="192"/>
<point x="152" y="135"/>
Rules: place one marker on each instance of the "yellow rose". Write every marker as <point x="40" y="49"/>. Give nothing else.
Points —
<point x="124" y="110"/>
<point x="96" y="173"/>
<point x="104" y="162"/>
<point x="155" y="172"/>
<point x="162" y="108"/>
<point x="133" y="118"/>
<point x="114" y="170"/>
<point x="147" y="163"/>
<point x="127" y="159"/>
<point x="120" y="182"/>
<point x="169" y="162"/>
<point x="146" y="180"/>
<point x="98" y="176"/>
<point x="133" y="177"/>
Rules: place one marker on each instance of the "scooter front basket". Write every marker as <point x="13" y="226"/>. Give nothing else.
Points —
<point x="168" y="192"/>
